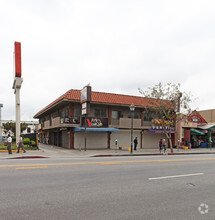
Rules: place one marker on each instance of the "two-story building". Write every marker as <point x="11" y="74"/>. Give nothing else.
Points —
<point x="61" y="122"/>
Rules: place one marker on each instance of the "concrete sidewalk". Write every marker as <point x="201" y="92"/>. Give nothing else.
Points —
<point x="53" y="151"/>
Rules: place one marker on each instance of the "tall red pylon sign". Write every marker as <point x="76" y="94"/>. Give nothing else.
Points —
<point x="18" y="66"/>
<point x="17" y="85"/>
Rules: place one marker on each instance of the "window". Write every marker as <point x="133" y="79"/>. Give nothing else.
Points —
<point x="67" y="111"/>
<point x="135" y="114"/>
<point x="148" y="115"/>
<point x="116" y="115"/>
<point x="100" y="112"/>
<point x="77" y="111"/>
<point x="55" y="115"/>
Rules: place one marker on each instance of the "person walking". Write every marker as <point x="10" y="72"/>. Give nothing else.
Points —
<point x="135" y="143"/>
<point x="20" y="144"/>
<point x="160" y="145"/>
<point x="164" y="145"/>
<point x="9" y="141"/>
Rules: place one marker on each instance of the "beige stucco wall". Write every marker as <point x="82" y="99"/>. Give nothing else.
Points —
<point x="208" y="115"/>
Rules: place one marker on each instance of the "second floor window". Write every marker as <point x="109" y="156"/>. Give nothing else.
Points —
<point x="116" y="115"/>
<point x="100" y="113"/>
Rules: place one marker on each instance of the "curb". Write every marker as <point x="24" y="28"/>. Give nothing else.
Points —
<point x="27" y="157"/>
<point x="124" y="155"/>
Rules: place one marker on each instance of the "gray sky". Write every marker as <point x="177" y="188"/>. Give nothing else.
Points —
<point x="116" y="45"/>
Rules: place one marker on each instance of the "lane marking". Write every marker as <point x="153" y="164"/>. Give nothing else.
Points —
<point x="25" y="168"/>
<point x="176" y="176"/>
<point x="106" y="163"/>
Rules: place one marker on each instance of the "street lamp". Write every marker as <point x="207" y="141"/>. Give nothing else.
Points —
<point x="132" y="108"/>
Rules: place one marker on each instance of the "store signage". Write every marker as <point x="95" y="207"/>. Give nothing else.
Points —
<point x="195" y="117"/>
<point x="85" y="99"/>
<point x="84" y="108"/>
<point x="86" y="94"/>
<point x="18" y="68"/>
<point x="70" y="120"/>
<point x="94" y="122"/>
<point x="157" y="124"/>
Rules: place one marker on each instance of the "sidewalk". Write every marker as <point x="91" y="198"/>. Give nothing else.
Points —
<point x="53" y="151"/>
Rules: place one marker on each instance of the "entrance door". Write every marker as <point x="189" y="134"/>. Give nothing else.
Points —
<point x="60" y="139"/>
<point x="55" y="138"/>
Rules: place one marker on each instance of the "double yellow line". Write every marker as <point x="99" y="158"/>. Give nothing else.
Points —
<point x="37" y="166"/>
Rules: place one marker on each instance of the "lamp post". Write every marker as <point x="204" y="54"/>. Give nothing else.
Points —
<point x="132" y="108"/>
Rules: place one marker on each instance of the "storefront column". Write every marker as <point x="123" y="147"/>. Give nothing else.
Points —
<point x="141" y="140"/>
<point x="186" y="137"/>
<point x="108" y="136"/>
<point x="71" y="139"/>
<point x="209" y="138"/>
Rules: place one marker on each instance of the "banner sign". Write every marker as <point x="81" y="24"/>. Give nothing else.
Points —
<point x="95" y="122"/>
<point x="70" y="120"/>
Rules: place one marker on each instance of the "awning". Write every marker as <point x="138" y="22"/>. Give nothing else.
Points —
<point x="96" y="129"/>
<point x="194" y="131"/>
<point x="160" y="131"/>
<point x="207" y="127"/>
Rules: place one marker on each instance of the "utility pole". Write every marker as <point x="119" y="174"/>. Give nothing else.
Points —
<point x="1" y="105"/>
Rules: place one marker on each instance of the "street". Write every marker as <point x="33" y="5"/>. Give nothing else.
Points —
<point x="150" y="187"/>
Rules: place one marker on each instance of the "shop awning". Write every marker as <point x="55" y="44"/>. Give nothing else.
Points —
<point x="208" y="127"/>
<point x="194" y="131"/>
<point x="96" y="129"/>
<point x="160" y="131"/>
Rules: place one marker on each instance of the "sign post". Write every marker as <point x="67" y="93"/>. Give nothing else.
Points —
<point x="85" y="100"/>
<point x="17" y="85"/>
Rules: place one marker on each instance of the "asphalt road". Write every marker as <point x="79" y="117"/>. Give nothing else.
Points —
<point x="159" y="187"/>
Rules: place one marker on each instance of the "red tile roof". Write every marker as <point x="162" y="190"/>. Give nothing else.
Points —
<point x="101" y="97"/>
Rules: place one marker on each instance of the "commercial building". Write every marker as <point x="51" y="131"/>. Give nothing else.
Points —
<point x="198" y="129"/>
<point x="61" y="122"/>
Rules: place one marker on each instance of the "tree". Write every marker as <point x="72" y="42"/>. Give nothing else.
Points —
<point x="168" y="103"/>
<point x="11" y="126"/>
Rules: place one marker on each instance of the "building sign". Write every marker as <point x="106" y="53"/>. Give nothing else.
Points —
<point x="95" y="122"/>
<point x="18" y="68"/>
<point x="195" y="117"/>
<point x="157" y="124"/>
<point x="85" y="100"/>
<point x="70" y="120"/>
<point x="86" y="94"/>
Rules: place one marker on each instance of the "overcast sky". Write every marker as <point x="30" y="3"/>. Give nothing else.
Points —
<point x="117" y="46"/>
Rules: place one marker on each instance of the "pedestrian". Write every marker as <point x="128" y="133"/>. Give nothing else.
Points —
<point x="20" y="144"/>
<point x="9" y="141"/>
<point x="135" y="143"/>
<point x="164" y="145"/>
<point x="160" y="145"/>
